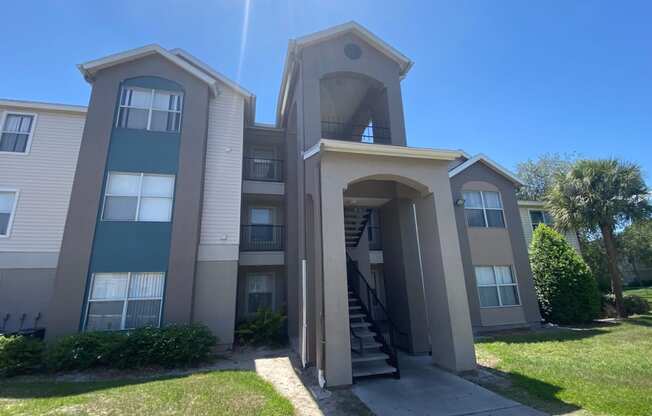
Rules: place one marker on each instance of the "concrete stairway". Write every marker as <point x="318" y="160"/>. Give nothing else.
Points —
<point x="355" y="220"/>
<point x="369" y="355"/>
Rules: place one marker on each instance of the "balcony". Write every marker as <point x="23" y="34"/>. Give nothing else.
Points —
<point x="361" y="133"/>
<point x="266" y="170"/>
<point x="262" y="237"/>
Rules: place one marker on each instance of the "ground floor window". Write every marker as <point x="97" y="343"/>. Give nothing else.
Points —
<point x="260" y="292"/>
<point x="496" y="286"/>
<point x="124" y="301"/>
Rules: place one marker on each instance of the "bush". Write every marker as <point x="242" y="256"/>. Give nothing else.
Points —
<point x="266" y="328"/>
<point x="566" y="289"/>
<point x="634" y="305"/>
<point x="85" y="350"/>
<point x="20" y="354"/>
<point x="172" y="346"/>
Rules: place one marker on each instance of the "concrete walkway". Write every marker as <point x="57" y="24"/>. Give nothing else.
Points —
<point x="426" y="390"/>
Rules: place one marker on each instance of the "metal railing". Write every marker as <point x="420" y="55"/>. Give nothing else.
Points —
<point x="262" y="237"/>
<point x="257" y="169"/>
<point x="355" y="132"/>
<point x="375" y="240"/>
<point x="358" y="284"/>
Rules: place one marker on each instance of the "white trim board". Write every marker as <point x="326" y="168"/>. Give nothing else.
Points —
<point x="491" y="164"/>
<point x="36" y="105"/>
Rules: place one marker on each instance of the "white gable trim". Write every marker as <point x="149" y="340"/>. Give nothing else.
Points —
<point x="89" y="69"/>
<point x="36" y="105"/>
<point x="210" y="71"/>
<point x="491" y="164"/>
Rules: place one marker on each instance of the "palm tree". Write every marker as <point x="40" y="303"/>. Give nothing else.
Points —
<point x="601" y="195"/>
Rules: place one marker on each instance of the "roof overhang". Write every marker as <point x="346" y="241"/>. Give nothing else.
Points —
<point x="523" y="203"/>
<point x="489" y="163"/>
<point x="35" y="105"/>
<point x="89" y="69"/>
<point x="340" y="146"/>
<point x="295" y="45"/>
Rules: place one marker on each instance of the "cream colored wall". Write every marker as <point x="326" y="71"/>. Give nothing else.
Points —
<point x="44" y="179"/>
<point x="220" y="223"/>
<point x="526" y="220"/>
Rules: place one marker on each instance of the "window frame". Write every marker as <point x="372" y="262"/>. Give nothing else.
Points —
<point x="28" y="145"/>
<point x="149" y="109"/>
<point x="497" y="285"/>
<point x="269" y="274"/>
<point x="125" y="300"/>
<point x="485" y="209"/>
<point x="531" y="210"/>
<point x="139" y="197"/>
<point x="14" y="208"/>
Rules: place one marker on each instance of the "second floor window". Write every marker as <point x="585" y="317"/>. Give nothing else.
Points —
<point x="7" y="208"/>
<point x="540" y="217"/>
<point x="148" y="109"/>
<point x="138" y="197"/>
<point x="16" y="132"/>
<point x="483" y="209"/>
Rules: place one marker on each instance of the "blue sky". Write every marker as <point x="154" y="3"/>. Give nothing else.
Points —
<point x="512" y="79"/>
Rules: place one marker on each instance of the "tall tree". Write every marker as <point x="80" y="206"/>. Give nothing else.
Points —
<point x="539" y="175"/>
<point x="601" y="195"/>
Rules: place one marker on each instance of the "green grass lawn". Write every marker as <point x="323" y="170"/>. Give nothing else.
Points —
<point x="212" y="393"/>
<point x="645" y="292"/>
<point x="603" y="369"/>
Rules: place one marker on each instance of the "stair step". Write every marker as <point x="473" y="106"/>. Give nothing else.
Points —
<point x="372" y="369"/>
<point x="367" y="345"/>
<point x="357" y="315"/>
<point x="360" y="325"/>
<point x="356" y="307"/>
<point x="364" y="334"/>
<point x="370" y="356"/>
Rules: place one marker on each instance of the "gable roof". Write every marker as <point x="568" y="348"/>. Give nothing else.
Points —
<point x="89" y="69"/>
<point x="490" y="164"/>
<point x="39" y="105"/>
<point x="295" y="45"/>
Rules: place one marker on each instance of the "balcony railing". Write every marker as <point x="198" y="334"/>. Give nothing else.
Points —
<point x="375" y="241"/>
<point x="355" y="132"/>
<point x="260" y="237"/>
<point x="257" y="169"/>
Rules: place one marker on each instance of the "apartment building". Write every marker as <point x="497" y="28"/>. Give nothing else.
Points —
<point x="183" y="209"/>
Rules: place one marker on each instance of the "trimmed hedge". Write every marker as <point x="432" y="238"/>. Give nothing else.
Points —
<point x="20" y="354"/>
<point x="171" y="346"/>
<point x="566" y="289"/>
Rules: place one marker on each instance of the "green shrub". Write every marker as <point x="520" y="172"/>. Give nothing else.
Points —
<point x="266" y="328"/>
<point x="634" y="305"/>
<point x="171" y="346"/>
<point x="85" y="350"/>
<point x="566" y="289"/>
<point x="20" y="354"/>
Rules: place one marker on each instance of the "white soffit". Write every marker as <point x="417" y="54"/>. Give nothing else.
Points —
<point x="491" y="164"/>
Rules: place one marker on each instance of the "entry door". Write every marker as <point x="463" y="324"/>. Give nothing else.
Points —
<point x="378" y="280"/>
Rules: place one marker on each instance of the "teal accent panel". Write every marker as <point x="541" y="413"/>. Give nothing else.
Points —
<point x="153" y="82"/>
<point x="143" y="151"/>
<point x="127" y="246"/>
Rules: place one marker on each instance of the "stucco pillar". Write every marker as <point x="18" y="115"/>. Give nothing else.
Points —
<point x="443" y="276"/>
<point x="336" y="303"/>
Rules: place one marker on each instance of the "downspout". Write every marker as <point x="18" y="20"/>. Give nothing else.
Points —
<point x="423" y="283"/>
<point x="304" y="326"/>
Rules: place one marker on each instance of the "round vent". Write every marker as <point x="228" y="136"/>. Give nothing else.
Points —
<point x="352" y="51"/>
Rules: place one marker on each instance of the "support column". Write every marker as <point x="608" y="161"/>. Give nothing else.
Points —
<point x="448" y="310"/>
<point x="335" y="291"/>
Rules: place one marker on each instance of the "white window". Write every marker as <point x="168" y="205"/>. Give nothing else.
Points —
<point x="16" y="133"/>
<point x="149" y="109"/>
<point x="138" y="197"/>
<point x="483" y="209"/>
<point x="8" y="201"/>
<point x="124" y="301"/>
<point x="496" y="286"/>
<point x="540" y="217"/>
<point x="260" y="292"/>
<point x="262" y="220"/>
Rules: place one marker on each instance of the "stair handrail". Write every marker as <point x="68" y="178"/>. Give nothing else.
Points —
<point x="393" y="327"/>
